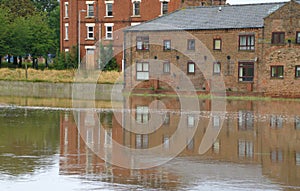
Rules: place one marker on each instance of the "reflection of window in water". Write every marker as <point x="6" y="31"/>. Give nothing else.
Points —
<point x="191" y="121"/>
<point x="276" y="156"/>
<point x="190" y="144"/>
<point x="108" y="137"/>
<point x="276" y="121"/>
<point x="216" y="122"/>
<point x="66" y="117"/>
<point x="297" y="123"/>
<point x="166" y="119"/>
<point x="142" y="114"/>
<point x="216" y="146"/>
<point x="89" y="136"/>
<point x="141" y="141"/>
<point x="297" y="156"/>
<point x="245" y="120"/>
<point x="245" y="149"/>
<point x="166" y="142"/>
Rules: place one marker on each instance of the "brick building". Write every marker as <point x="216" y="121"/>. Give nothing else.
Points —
<point x="100" y="19"/>
<point x="252" y="48"/>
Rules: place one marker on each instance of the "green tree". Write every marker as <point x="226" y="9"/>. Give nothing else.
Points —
<point x="54" y="24"/>
<point x="106" y="59"/>
<point x="18" y="8"/>
<point x="46" y="5"/>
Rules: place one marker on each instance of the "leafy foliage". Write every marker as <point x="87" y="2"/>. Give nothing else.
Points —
<point x="107" y="61"/>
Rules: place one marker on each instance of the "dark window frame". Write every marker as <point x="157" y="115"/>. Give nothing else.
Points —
<point x="276" y="75"/>
<point x="164" y="7"/>
<point x="144" y="43"/>
<point x="191" y="44"/>
<point x="298" y="37"/>
<point x="164" y="45"/>
<point x="188" y="67"/>
<point x="214" y="44"/>
<point x="248" y="46"/>
<point x="297" y="75"/>
<point x="277" y="38"/>
<point x="247" y="66"/>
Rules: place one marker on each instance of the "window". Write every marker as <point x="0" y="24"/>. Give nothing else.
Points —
<point x="216" y="68"/>
<point x="142" y="114"/>
<point x="277" y="71"/>
<point x="216" y="146"/>
<point x="245" y="120"/>
<point x="276" y="122"/>
<point x="245" y="149"/>
<point x="141" y="141"/>
<point x="191" y="68"/>
<point x="166" y="67"/>
<point x="142" y="71"/>
<point x="164" y="7"/>
<point x="166" y="118"/>
<point x="136" y="8"/>
<point x="166" y="142"/>
<point x="191" y="121"/>
<point x="90" y="9"/>
<point x="216" y="122"/>
<point x="217" y="44"/>
<point x="66" y="9"/>
<point x="276" y="156"/>
<point x="246" y="42"/>
<point x="297" y="71"/>
<point x="191" y="44"/>
<point x="109" y="9"/>
<point x="297" y="123"/>
<point x="90" y="31"/>
<point x="297" y="158"/>
<point x="246" y="71"/>
<point x="109" y="31"/>
<point x="190" y="144"/>
<point x="142" y="43"/>
<point x="167" y="45"/>
<point x="278" y="37"/>
<point x="298" y="37"/>
<point x="66" y="31"/>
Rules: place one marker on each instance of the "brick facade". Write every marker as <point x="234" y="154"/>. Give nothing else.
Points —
<point x="121" y="17"/>
<point x="234" y="61"/>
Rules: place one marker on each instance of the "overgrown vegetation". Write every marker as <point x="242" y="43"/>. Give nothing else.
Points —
<point x="55" y="76"/>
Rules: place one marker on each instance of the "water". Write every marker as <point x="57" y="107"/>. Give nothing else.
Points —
<point x="47" y="144"/>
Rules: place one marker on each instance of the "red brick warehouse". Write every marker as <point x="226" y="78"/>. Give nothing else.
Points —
<point x="99" y="19"/>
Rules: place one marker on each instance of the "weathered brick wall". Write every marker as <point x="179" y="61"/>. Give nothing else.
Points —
<point x="285" y="19"/>
<point x="203" y="56"/>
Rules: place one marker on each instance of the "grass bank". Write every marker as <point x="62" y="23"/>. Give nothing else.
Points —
<point x="56" y="76"/>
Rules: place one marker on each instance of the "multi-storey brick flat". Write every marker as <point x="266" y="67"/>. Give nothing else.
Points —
<point x="98" y="20"/>
<point x="251" y="48"/>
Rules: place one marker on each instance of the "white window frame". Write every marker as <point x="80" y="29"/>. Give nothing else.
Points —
<point x="134" y="8"/>
<point x="166" y="67"/>
<point x="66" y="31"/>
<point x="88" y="4"/>
<point x="190" y="121"/>
<point x="142" y="114"/>
<point x="142" y="71"/>
<point x="109" y="34"/>
<point x="217" y="68"/>
<point x="162" y="5"/>
<point x="88" y="31"/>
<point x="66" y="10"/>
<point x="106" y="8"/>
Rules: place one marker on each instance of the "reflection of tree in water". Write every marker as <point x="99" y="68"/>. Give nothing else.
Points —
<point x="27" y="138"/>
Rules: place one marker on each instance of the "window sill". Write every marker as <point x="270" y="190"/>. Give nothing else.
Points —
<point x="136" y="16"/>
<point x="66" y="39"/>
<point x="108" y="16"/>
<point x="277" y="78"/>
<point x="90" y="39"/>
<point x="142" y="50"/>
<point x="246" y="50"/>
<point x="90" y="17"/>
<point x="109" y="39"/>
<point x="191" y="73"/>
<point x="167" y="50"/>
<point x="66" y="17"/>
<point x="217" y="50"/>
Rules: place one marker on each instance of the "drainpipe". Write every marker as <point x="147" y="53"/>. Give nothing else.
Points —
<point x="124" y="59"/>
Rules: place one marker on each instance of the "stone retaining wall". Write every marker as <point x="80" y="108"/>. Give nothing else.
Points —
<point x="54" y="90"/>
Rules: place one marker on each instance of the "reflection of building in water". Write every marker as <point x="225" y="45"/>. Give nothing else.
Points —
<point x="253" y="132"/>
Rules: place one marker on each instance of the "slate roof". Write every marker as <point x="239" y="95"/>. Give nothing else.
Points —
<point x="203" y="18"/>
